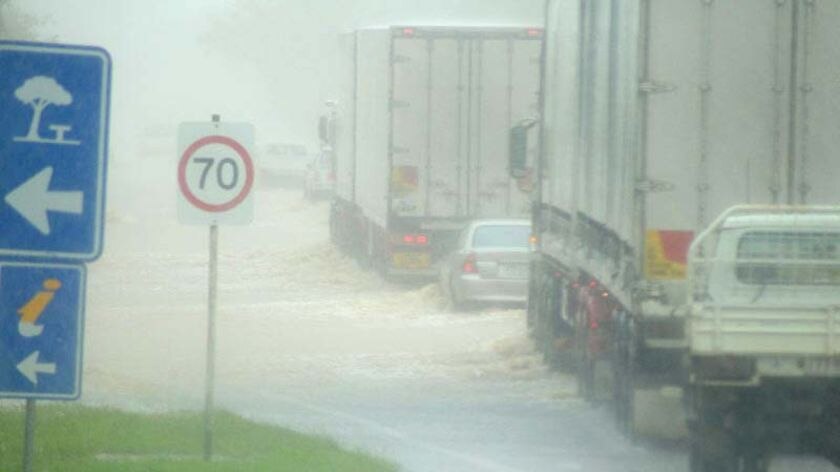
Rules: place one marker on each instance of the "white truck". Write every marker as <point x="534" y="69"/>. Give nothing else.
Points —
<point x="657" y="116"/>
<point x="420" y="133"/>
<point x="764" y="336"/>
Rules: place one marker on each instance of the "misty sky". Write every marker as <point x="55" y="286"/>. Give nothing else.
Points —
<point x="262" y="61"/>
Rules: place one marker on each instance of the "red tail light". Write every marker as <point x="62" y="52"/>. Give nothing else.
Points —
<point x="469" y="266"/>
<point x="415" y="239"/>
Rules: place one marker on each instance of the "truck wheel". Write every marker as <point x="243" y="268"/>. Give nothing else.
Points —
<point x="532" y="308"/>
<point x="755" y="463"/>
<point x="585" y="371"/>
<point x="624" y="375"/>
<point x="712" y="450"/>
<point x="333" y="228"/>
<point x="712" y="446"/>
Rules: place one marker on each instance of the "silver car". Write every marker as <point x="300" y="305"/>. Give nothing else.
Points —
<point x="490" y="263"/>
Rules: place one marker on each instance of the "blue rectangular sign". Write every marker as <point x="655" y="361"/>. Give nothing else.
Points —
<point x="54" y="103"/>
<point x="41" y="330"/>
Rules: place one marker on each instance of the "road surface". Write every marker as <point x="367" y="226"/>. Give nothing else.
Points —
<point x="308" y="340"/>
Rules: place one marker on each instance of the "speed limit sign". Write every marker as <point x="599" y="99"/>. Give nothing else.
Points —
<point x="215" y="173"/>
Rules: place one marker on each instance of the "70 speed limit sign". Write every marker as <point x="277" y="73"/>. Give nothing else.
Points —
<point x="215" y="173"/>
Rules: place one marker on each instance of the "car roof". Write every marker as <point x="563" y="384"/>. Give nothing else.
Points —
<point x="784" y="221"/>
<point x="500" y="222"/>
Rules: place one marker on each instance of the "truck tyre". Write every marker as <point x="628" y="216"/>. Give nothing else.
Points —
<point x="532" y="308"/>
<point x="712" y="445"/>
<point x="624" y="375"/>
<point x="543" y="329"/>
<point x="333" y="226"/>
<point x="585" y="364"/>
<point x="712" y="449"/>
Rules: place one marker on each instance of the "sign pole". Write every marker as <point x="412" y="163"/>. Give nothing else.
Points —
<point x="29" y="435"/>
<point x="211" y="338"/>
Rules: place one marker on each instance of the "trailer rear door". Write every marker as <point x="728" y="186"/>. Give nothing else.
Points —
<point x="455" y="94"/>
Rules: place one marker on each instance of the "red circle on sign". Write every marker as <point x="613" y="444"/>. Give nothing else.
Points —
<point x="182" y="173"/>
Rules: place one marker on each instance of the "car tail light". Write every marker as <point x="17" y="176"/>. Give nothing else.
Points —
<point x="469" y="266"/>
<point x="409" y="239"/>
<point x="422" y="239"/>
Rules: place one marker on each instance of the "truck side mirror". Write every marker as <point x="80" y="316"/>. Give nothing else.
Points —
<point x="518" y="152"/>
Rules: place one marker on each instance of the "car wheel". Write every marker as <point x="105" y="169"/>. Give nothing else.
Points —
<point x="458" y="304"/>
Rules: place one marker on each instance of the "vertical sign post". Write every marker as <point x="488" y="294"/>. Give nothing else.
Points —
<point x="215" y="178"/>
<point x="210" y="380"/>
<point x="29" y="435"/>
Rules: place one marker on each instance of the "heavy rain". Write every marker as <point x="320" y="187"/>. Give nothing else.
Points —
<point x="419" y="235"/>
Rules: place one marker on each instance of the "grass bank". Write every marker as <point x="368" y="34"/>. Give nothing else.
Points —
<point x="72" y="438"/>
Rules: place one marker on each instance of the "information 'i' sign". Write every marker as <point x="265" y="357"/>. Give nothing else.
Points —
<point x="215" y="173"/>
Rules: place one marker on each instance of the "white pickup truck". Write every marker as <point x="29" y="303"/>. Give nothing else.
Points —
<point x="764" y="337"/>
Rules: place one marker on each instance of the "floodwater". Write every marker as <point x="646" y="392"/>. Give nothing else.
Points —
<point x="310" y="341"/>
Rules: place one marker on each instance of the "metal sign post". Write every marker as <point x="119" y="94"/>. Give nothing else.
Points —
<point x="29" y="435"/>
<point x="209" y="397"/>
<point x="211" y="342"/>
<point x="215" y="179"/>
<point x="209" y="388"/>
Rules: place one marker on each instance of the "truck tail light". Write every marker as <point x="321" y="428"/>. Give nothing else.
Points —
<point x="469" y="266"/>
<point x="415" y="239"/>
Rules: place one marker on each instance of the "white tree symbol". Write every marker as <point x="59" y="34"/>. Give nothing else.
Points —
<point x="39" y="92"/>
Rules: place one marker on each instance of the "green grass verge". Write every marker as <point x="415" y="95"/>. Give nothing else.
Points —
<point x="71" y="438"/>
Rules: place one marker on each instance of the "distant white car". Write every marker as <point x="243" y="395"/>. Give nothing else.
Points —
<point x="319" y="178"/>
<point x="489" y="264"/>
<point x="284" y="163"/>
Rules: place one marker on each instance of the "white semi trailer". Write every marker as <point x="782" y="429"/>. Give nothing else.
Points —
<point x="657" y="116"/>
<point x="420" y="134"/>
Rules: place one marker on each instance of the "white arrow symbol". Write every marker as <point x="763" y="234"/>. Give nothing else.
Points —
<point x="30" y="368"/>
<point x="33" y="199"/>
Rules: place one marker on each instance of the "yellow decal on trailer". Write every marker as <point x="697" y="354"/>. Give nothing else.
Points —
<point x="666" y="254"/>
<point x="404" y="180"/>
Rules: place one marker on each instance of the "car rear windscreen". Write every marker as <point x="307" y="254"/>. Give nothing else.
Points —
<point x="512" y="236"/>
<point x="789" y="258"/>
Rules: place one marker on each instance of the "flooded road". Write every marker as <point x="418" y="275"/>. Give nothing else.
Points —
<point x="308" y="340"/>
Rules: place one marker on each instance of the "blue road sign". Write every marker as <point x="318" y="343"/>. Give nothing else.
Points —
<point x="41" y="330"/>
<point x="54" y="103"/>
